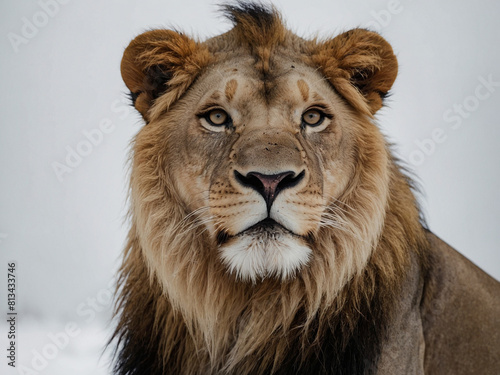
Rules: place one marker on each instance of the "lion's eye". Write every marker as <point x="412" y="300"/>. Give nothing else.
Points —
<point x="313" y="117"/>
<point x="217" y="117"/>
<point x="215" y="120"/>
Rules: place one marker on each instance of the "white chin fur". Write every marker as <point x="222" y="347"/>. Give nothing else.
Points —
<point x="253" y="257"/>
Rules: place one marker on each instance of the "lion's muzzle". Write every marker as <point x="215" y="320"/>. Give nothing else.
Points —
<point x="262" y="228"/>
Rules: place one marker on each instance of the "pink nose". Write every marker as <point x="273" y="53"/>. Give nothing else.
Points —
<point x="269" y="185"/>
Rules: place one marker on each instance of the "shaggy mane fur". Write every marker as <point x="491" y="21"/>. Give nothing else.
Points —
<point x="299" y="311"/>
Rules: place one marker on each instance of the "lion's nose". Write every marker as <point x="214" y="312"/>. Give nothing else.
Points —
<point x="269" y="185"/>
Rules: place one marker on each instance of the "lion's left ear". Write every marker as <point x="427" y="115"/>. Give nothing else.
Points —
<point x="358" y="62"/>
<point x="160" y="62"/>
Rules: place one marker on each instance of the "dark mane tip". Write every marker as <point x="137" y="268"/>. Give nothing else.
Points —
<point x="132" y="97"/>
<point x="255" y="24"/>
<point x="262" y="15"/>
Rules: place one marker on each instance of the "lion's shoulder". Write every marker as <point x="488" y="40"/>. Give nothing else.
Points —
<point x="460" y="310"/>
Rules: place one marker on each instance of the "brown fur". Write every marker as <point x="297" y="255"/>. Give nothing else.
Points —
<point x="304" y="89"/>
<point x="231" y="89"/>
<point x="181" y="310"/>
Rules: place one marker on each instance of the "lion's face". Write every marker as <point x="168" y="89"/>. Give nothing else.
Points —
<point x="260" y="161"/>
<point x="259" y="156"/>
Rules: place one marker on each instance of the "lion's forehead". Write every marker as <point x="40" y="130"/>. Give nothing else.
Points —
<point x="239" y="83"/>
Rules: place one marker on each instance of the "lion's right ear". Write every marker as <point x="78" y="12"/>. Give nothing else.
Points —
<point x="360" y="64"/>
<point x="161" y="62"/>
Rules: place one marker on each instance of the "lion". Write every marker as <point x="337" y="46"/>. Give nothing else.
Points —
<point x="272" y="229"/>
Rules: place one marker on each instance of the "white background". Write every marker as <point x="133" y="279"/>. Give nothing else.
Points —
<point x="66" y="236"/>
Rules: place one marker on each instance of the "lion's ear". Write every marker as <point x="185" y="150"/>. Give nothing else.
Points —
<point x="159" y="62"/>
<point x="358" y="62"/>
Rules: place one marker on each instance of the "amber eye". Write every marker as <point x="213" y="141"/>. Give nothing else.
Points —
<point x="313" y="117"/>
<point x="217" y="117"/>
